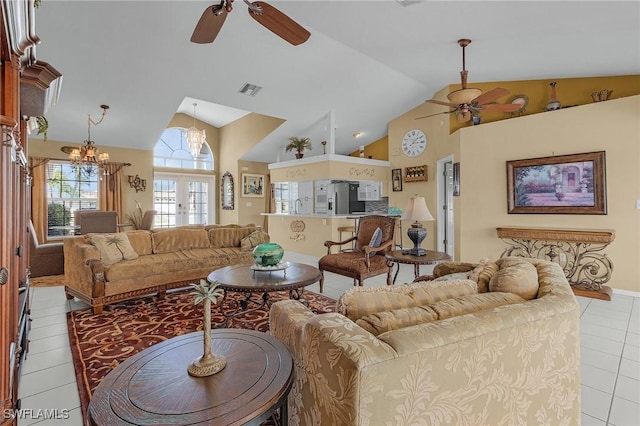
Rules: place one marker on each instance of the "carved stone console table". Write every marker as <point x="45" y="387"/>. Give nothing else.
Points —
<point x="577" y="251"/>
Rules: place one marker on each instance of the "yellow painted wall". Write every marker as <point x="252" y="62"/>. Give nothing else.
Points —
<point x="377" y="150"/>
<point x="569" y="91"/>
<point x="236" y="139"/>
<point x="141" y="164"/>
<point x="612" y="126"/>
<point x="249" y="208"/>
<point x="310" y="241"/>
<point x="436" y="130"/>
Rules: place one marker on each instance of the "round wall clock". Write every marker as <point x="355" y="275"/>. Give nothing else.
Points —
<point x="414" y="143"/>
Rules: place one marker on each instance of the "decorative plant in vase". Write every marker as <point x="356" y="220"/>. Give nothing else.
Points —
<point x="208" y="363"/>
<point x="299" y="145"/>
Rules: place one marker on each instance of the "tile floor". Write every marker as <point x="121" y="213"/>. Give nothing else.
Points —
<point x="610" y="333"/>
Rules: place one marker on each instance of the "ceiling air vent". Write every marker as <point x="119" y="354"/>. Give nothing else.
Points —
<point x="249" y="89"/>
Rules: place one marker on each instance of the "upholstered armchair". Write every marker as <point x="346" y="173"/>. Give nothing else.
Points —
<point x="147" y="219"/>
<point x="364" y="261"/>
<point x="44" y="259"/>
<point x="96" y="221"/>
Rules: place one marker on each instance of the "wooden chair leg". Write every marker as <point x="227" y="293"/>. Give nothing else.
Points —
<point x="321" y="281"/>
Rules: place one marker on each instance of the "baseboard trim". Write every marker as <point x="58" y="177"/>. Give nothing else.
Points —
<point x="626" y="292"/>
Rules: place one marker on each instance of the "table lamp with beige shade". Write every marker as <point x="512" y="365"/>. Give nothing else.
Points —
<point x="417" y="211"/>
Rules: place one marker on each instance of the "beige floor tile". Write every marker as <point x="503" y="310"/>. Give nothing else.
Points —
<point x="42" y="380"/>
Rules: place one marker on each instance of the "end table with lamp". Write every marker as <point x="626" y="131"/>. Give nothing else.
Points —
<point x="417" y="211"/>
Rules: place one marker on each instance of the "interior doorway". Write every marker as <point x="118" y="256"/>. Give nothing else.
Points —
<point x="183" y="199"/>
<point x="445" y="241"/>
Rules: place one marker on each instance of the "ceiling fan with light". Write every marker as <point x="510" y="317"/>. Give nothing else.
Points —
<point x="268" y="16"/>
<point x="468" y="101"/>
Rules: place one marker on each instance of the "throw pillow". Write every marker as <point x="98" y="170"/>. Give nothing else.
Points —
<point x="113" y="247"/>
<point x="249" y="242"/>
<point x="455" y="276"/>
<point x="516" y="276"/>
<point x="376" y="239"/>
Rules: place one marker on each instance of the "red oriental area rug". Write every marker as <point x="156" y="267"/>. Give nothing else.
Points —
<point x="100" y="342"/>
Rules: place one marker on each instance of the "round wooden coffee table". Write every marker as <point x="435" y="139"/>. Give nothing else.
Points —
<point x="153" y="386"/>
<point x="399" y="256"/>
<point x="243" y="279"/>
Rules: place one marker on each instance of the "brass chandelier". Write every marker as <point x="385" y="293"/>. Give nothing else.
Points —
<point x="89" y="154"/>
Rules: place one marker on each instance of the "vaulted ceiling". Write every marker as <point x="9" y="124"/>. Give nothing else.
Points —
<point x="365" y="63"/>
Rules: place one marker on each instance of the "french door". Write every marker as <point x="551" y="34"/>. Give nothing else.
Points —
<point x="183" y="199"/>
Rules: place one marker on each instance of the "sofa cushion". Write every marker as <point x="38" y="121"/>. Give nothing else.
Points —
<point x="140" y="241"/>
<point x="446" y="268"/>
<point x="398" y="318"/>
<point x="482" y="274"/>
<point x="516" y="276"/>
<point x="228" y="236"/>
<point x="167" y="263"/>
<point x="113" y="247"/>
<point x="249" y="242"/>
<point x="360" y="301"/>
<point x="473" y="303"/>
<point x="170" y="240"/>
<point x="454" y="276"/>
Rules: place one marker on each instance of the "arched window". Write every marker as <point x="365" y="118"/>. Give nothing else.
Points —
<point x="182" y="198"/>
<point x="172" y="151"/>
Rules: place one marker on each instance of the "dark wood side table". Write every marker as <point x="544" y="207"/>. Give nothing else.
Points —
<point x="397" y="256"/>
<point x="241" y="278"/>
<point x="153" y="386"/>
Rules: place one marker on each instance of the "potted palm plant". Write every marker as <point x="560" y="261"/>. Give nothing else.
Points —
<point x="299" y="145"/>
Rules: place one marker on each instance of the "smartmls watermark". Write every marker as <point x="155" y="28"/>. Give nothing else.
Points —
<point x="36" y="414"/>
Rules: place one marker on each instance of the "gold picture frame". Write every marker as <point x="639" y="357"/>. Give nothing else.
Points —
<point x="252" y="185"/>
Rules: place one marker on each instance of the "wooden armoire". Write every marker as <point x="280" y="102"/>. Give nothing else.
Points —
<point x="24" y="83"/>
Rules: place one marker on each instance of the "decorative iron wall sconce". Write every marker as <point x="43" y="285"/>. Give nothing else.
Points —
<point x="137" y="183"/>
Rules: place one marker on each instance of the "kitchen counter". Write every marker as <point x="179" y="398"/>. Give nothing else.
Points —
<point x="306" y="233"/>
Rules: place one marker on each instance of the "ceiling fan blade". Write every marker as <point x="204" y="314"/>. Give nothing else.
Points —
<point x="500" y="107"/>
<point x="209" y="24"/>
<point x="278" y="23"/>
<point x="450" y="105"/>
<point x="432" y="115"/>
<point x="490" y="96"/>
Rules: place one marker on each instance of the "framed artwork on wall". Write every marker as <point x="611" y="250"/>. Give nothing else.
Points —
<point x="252" y="185"/>
<point x="396" y="180"/>
<point x="564" y="184"/>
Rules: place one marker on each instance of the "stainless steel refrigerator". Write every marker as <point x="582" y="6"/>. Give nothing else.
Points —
<point x="346" y="198"/>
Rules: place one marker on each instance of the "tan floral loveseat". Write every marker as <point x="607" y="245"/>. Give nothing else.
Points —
<point x="440" y="352"/>
<point x="107" y="268"/>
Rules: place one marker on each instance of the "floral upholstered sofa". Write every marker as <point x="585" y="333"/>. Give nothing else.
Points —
<point x="107" y="268"/>
<point x="440" y="352"/>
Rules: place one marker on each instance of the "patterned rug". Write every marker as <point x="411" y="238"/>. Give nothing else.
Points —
<point x="100" y="342"/>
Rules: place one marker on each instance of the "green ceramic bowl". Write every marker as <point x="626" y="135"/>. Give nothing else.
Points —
<point x="268" y="254"/>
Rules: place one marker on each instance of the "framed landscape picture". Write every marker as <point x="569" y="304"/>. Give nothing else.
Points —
<point x="564" y="184"/>
<point x="252" y="185"/>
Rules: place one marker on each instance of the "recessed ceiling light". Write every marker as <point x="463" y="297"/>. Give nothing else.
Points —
<point x="249" y="89"/>
<point x="357" y="134"/>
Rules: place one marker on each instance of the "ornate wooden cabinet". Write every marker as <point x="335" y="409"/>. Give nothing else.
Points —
<point x="17" y="39"/>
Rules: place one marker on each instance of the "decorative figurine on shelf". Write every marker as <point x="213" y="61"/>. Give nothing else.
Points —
<point x="554" y="103"/>
<point x="602" y="95"/>
<point x="324" y="147"/>
<point x="208" y="364"/>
